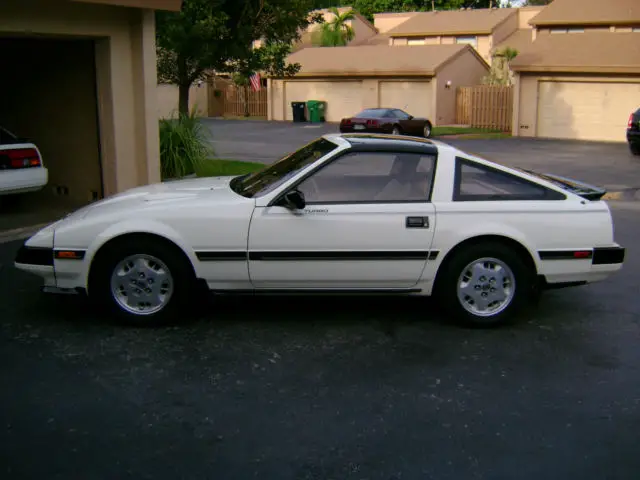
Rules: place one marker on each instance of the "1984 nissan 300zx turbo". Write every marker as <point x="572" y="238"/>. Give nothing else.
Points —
<point x="351" y="213"/>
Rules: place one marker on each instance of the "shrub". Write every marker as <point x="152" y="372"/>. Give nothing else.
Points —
<point x="184" y="146"/>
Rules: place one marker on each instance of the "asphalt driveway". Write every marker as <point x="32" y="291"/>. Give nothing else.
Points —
<point x="605" y="164"/>
<point x="296" y="388"/>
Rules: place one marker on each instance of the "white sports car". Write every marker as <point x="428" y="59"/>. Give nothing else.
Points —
<point x="351" y="213"/>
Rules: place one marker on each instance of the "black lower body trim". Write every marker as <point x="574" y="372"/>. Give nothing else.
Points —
<point x="328" y="256"/>
<point x="319" y="291"/>
<point x="205" y="256"/>
<point x="35" y="256"/>
<point x="608" y="255"/>
<point x="565" y="254"/>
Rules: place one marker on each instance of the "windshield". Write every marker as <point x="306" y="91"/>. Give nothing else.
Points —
<point x="269" y="178"/>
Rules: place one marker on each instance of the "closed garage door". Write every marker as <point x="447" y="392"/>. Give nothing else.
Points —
<point x="344" y="99"/>
<point x="412" y="96"/>
<point x="586" y="111"/>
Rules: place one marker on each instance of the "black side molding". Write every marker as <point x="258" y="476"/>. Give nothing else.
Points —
<point x="598" y="256"/>
<point x="35" y="256"/>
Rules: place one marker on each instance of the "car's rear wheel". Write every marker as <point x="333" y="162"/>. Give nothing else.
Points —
<point x="635" y="148"/>
<point x="144" y="283"/>
<point x="396" y="130"/>
<point x="485" y="285"/>
<point x="426" y="131"/>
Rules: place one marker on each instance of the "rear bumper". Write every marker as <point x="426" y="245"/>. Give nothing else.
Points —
<point x="581" y="266"/>
<point x="23" y="180"/>
<point x="367" y="129"/>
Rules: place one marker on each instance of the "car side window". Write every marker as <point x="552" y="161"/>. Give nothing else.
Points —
<point x="400" y="114"/>
<point x="372" y="177"/>
<point x="476" y="182"/>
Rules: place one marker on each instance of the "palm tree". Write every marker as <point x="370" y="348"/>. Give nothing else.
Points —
<point x="336" y="33"/>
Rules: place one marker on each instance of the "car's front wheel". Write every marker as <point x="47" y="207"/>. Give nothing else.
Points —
<point x="144" y="282"/>
<point x="485" y="285"/>
<point x="426" y="131"/>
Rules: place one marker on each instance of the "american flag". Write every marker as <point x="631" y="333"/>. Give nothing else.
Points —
<point x="255" y="82"/>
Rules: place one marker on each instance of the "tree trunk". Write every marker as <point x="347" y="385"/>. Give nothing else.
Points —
<point x="246" y="100"/>
<point x="183" y="99"/>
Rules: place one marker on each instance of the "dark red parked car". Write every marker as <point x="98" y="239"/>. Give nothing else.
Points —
<point x="633" y="132"/>
<point x="386" y="120"/>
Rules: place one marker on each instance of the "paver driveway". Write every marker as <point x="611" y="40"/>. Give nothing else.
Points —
<point x="604" y="164"/>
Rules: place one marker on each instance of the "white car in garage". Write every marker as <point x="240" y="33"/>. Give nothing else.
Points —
<point x="350" y="213"/>
<point x="21" y="167"/>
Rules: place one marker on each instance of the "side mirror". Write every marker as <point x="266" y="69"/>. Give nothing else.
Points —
<point x="411" y="117"/>
<point x="295" y="199"/>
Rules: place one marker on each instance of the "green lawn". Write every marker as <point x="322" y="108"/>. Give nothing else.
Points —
<point x="439" y="131"/>
<point x="221" y="167"/>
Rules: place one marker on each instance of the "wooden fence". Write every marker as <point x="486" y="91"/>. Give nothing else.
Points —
<point x="234" y="101"/>
<point x="485" y="106"/>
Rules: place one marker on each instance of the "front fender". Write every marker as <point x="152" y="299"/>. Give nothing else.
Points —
<point x="93" y="236"/>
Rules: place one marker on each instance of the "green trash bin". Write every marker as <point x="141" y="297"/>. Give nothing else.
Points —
<point x="316" y="110"/>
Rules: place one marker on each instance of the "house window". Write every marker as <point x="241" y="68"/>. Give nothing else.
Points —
<point x="473" y="41"/>
<point x="558" y="30"/>
<point x="635" y="29"/>
<point x="576" y="30"/>
<point x="416" y="41"/>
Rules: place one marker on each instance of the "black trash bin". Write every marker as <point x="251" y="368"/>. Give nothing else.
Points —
<point x="298" y="111"/>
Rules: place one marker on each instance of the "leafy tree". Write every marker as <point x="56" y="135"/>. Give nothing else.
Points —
<point x="337" y="32"/>
<point x="219" y="35"/>
<point x="500" y="73"/>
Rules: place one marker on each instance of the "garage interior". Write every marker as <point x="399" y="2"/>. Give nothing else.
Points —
<point x="50" y="98"/>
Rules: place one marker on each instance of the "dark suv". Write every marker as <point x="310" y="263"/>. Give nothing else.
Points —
<point x="633" y="132"/>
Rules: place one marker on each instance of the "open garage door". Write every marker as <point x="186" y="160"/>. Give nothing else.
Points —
<point x="414" y="97"/>
<point x="586" y="110"/>
<point x="50" y="99"/>
<point x="344" y="99"/>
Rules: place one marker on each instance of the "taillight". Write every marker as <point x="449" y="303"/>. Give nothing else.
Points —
<point x="19" y="158"/>
<point x="346" y="121"/>
<point x="630" y="124"/>
<point x="372" y="123"/>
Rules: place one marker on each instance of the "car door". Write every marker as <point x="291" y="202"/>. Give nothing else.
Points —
<point x="408" y="124"/>
<point x="361" y="228"/>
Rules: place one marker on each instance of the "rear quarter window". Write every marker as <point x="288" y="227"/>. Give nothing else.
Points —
<point x="6" y="137"/>
<point x="476" y="182"/>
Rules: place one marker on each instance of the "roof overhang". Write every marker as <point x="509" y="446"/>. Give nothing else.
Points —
<point x="432" y="33"/>
<point x="171" y="5"/>
<point x="614" y="70"/>
<point x="354" y="75"/>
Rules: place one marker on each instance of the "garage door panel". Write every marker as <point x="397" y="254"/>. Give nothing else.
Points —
<point x="412" y="96"/>
<point x="586" y="110"/>
<point x="344" y="99"/>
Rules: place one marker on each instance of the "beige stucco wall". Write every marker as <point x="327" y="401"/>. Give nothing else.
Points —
<point x="466" y="70"/>
<point x="527" y="13"/>
<point x="168" y="100"/>
<point x="506" y="28"/>
<point x="126" y="79"/>
<point x="525" y="112"/>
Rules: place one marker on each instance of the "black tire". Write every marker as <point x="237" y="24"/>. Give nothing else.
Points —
<point x="183" y="281"/>
<point x="447" y="284"/>
<point x="427" y="131"/>
<point x="635" y="148"/>
<point x="396" y="130"/>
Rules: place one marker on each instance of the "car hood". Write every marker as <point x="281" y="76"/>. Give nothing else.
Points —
<point x="164" y="195"/>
